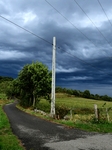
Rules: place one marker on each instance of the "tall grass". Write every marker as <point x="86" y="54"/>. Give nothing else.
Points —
<point x="8" y="141"/>
<point x="80" y="102"/>
<point x="82" y="109"/>
<point x="82" y="112"/>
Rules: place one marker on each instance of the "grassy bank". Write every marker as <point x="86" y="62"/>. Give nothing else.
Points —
<point x="78" y="102"/>
<point x="80" y="123"/>
<point x="8" y="141"/>
<point x="82" y="118"/>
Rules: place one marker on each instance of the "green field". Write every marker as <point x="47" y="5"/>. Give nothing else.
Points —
<point x="74" y="102"/>
<point x="82" y="119"/>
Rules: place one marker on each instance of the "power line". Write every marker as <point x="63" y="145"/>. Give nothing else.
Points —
<point x="76" y="27"/>
<point x="26" y="30"/>
<point x="83" y="61"/>
<point x="69" y="22"/>
<point x="91" y="21"/>
<point x="48" y="41"/>
<point x="104" y="12"/>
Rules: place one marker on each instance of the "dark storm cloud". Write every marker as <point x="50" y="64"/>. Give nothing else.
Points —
<point x="78" y="37"/>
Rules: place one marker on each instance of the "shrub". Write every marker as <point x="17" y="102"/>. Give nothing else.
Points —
<point x="43" y="106"/>
<point x="83" y="111"/>
<point x="61" y="111"/>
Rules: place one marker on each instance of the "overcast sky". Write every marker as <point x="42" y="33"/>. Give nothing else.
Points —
<point x="83" y="30"/>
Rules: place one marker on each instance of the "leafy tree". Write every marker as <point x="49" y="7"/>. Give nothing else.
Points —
<point x="12" y="89"/>
<point x="59" y="89"/>
<point x="64" y="90"/>
<point x="76" y="93"/>
<point x="69" y="91"/>
<point x="86" y="94"/>
<point x="92" y="96"/>
<point x="80" y="93"/>
<point x="97" y="97"/>
<point x="2" y="79"/>
<point x="106" y="98"/>
<point x="34" y="81"/>
<point x="4" y="85"/>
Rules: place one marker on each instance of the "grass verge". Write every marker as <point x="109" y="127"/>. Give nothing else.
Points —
<point x="79" y="123"/>
<point x="8" y="141"/>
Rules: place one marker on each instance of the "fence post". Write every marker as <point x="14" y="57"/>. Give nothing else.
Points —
<point x="107" y="114"/>
<point x="96" y="112"/>
<point x="71" y="116"/>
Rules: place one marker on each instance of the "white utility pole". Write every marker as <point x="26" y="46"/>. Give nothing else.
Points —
<point x="53" y="78"/>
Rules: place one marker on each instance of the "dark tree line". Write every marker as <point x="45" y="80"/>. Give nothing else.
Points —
<point x="34" y="82"/>
<point x="3" y="79"/>
<point x="85" y="94"/>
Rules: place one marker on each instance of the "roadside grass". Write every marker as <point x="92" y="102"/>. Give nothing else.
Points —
<point x="3" y="96"/>
<point x="80" y="119"/>
<point x="97" y="127"/>
<point x="8" y="141"/>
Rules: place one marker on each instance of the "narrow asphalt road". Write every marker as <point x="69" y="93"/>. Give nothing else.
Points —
<point x="38" y="134"/>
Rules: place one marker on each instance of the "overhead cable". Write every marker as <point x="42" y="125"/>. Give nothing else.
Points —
<point x="92" y="22"/>
<point x="78" y="28"/>
<point x="104" y="12"/>
<point x="69" y="22"/>
<point x="26" y="30"/>
<point x="49" y="42"/>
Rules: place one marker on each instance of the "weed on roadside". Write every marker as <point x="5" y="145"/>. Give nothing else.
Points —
<point x="8" y="141"/>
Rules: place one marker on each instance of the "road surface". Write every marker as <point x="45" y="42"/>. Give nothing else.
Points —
<point x="39" y="134"/>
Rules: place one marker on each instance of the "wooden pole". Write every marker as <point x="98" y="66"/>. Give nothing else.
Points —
<point x="53" y="79"/>
<point x="96" y="112"/>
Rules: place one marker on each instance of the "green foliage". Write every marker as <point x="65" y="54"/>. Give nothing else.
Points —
<point x="43" y="105"/>
<point x="61" y="111"/>
<point x="59" y="90"/>
<point x="95" y="127"/>
<point x="33" y="81"/>
<point x="76" y="93"/>
<point x="12" y="89"/>
<point x="103" y="115"/>
<point x="2" y="79"/>
<point x="8" y="141"/>
<point x="3" y="96"/>
<point x="81" y="119"/>
<point x="83" y="106"/>
<point x="96" y="97"/>
<point x="83" y="111"/>
<point x="106" y="98"/>
<point x="85" y="94"/>
<point x="4" y="85"/>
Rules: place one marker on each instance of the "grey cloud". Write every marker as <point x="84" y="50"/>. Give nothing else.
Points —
<point x="17" y="47"/>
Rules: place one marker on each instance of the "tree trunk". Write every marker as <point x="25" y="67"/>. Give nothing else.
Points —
<point x="30" y="101"/>
<point x="33" y="100"/>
